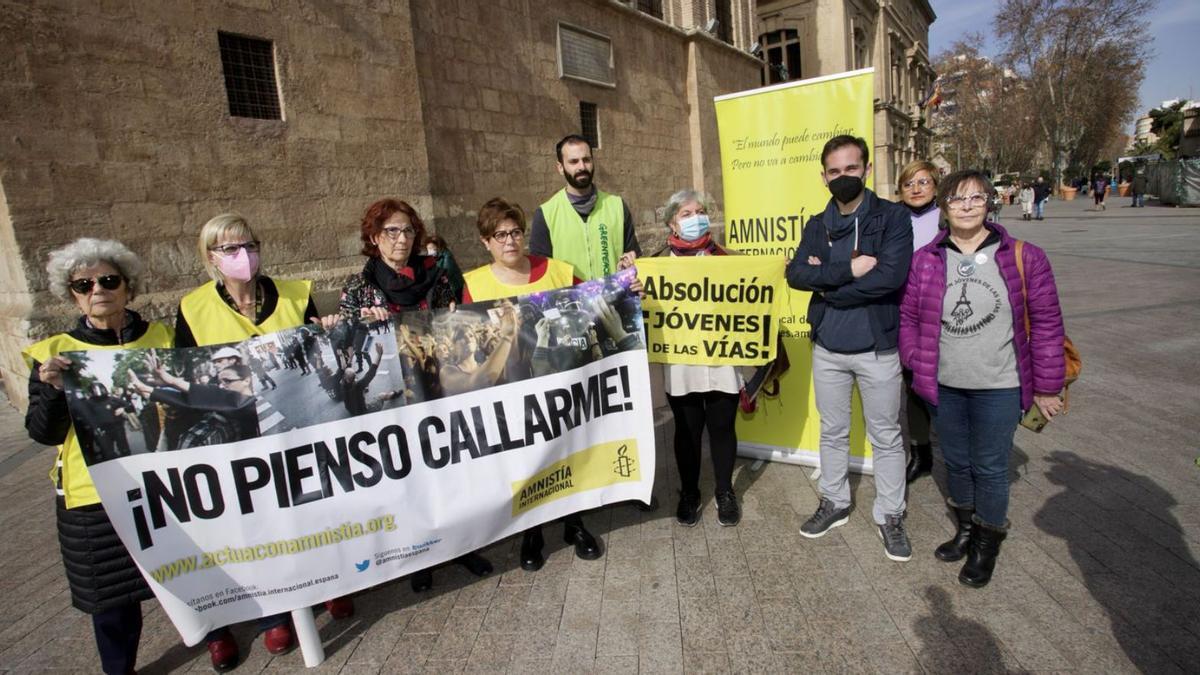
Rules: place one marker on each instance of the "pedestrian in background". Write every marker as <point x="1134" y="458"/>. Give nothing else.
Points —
<point x="1041" y="195"/>
<point x="1026" y="201"/>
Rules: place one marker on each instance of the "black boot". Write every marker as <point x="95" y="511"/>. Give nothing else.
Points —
<point x="586" y="546"/>
<point x="421" y="580"/>
<point x="957" y="547"/>
<point x="475" y="564"/>
<point x="981" y="556"/>
<point x="920" y="462"/>
<point x="531" y="549"/>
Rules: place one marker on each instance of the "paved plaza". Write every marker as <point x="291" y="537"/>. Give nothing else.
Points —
<point x="1099" y="575"/>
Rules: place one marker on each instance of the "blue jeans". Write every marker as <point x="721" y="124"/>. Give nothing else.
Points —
<point x="1038" y="206"/>
<point x="975" y="428"/>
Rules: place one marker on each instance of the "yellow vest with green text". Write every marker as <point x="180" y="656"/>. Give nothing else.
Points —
<point x="593" y="248"/>
<point x="214" y="322"/>
<point x="76" y="481"/>
<point x="482" y="284"/>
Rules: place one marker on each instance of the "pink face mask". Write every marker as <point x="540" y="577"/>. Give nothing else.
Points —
<point x="241" y="266"/>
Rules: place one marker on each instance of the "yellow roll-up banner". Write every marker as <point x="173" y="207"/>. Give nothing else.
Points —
<point x="771" y="140"/>
<point x="712" y="310"/>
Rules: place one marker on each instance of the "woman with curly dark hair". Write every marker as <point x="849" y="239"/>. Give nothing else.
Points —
<point x="399" y="277"/>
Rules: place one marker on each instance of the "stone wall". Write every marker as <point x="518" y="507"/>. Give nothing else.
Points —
<point x="117" y="125"/>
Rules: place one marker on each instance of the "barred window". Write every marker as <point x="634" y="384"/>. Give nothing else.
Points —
<point x="249" y="66"/>
<point x="651" y="7"/>
<point x="589" y="123"/>
<point x="584" y="55"/>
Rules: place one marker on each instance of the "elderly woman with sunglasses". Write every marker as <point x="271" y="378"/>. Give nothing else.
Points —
<point x="918" y="191"/>
<point x="100" y="277"/>
<point x="399" y="277"/>
<point x="238" y="303"/>
<point x="983" y="344"/>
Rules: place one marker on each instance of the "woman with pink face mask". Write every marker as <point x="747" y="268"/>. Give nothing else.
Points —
<point x="239" y="303"/>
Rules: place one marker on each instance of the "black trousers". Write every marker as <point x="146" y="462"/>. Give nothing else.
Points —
<point x="716" y="410"/>
<point x="118" y="631"/>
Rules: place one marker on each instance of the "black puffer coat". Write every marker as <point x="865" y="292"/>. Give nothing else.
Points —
<point x="99" y="570"/>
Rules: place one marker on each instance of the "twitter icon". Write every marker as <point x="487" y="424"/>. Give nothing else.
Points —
<point x="362" y="566"/>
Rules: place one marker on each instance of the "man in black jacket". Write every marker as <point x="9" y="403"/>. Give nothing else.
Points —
<point x="854" y="258"/>
<point x="1041" y="195"/>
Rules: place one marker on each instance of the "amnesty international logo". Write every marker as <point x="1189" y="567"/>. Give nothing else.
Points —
<point x="624" y="466"/>
<point x="596" y="467"/>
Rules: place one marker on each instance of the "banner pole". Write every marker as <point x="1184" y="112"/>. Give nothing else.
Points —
<point x="307" y="637"/>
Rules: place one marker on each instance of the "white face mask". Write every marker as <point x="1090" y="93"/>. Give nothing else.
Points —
<point x="693" y="227"/>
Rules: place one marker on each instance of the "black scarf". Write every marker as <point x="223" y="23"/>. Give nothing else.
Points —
<point x="922" y="210"/>
<point x="400" y="290"/>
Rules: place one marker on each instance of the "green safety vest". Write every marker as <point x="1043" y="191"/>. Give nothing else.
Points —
<point x="593" y="247"/>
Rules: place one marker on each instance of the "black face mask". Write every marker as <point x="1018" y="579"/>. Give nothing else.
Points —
<point x="846" y="188"/>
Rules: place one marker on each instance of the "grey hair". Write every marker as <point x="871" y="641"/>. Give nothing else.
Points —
<point x="682" y="197"/>
<point x="85" y="252"/>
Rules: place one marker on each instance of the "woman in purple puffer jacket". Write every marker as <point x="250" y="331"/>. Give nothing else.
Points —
<point x="962" y="334"/>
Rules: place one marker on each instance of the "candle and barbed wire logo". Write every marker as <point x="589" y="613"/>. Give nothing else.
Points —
<point x="624" y="465"/>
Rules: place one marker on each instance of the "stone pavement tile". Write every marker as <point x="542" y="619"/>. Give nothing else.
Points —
<point x="814" y="661"/>
<point x="459" y="633"/>
<point x="618" y="634"/>
<point x="750" y="651"/>
<point x="693" y="576"/>
<point x="689" y="541"/>
<point x="72" y="654"/>
<point x="660" y="647"/>
<point x="616" y="665"/>
<point x="786" y="625"/>
<point x="25" y="639"/>
<point x="583" y="602"/>
<point x="410" y="654"/>
<point x="706" y="662"/>
<point x="550" y="584"/>
<point x="443" y="666"/>
<point x="1025" y="640"/>
<point x="478" y="593"/>
<point x="622" y="581"/>
<point x="659" y="599"/>
<point x="379" y="639"/>
<point x="491" y="653"/>
<point x="657" y="557"/>
<point x="727" y="558"/>
<point x="700" y="624"/>
<point x="531" y="664"/>
<point x="771" y="575"/>
<point x="587" y="569"/>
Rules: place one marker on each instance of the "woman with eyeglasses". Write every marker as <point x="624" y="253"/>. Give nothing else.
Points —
<point x="100" y="277"/>
<point x="984" y="345"/>
<point x="399" y="277"/>
<point x="918" y="187"/>
<point x="512" y="272"/>
<point x="238" y="303"/>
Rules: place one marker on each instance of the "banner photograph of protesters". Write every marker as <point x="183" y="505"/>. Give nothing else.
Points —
<point x="214" y="395"/>
<point x="482" y="344"/>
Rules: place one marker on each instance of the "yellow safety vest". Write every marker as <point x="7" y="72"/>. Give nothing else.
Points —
<point x="482" y="283"/>
<point x="76" y="481"/>
<point x="592" y="248"/>
<point x="214" y="322"/>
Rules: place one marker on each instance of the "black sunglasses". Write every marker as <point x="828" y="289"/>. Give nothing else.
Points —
<point x="109" y="281"/>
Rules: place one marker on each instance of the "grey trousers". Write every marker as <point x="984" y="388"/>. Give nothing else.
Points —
<point x="880" y="385"/>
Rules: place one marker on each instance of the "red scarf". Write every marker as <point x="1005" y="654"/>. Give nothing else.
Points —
<point x="702" y="246"/>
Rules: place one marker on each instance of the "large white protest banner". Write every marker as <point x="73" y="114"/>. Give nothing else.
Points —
<point x="411" y="447"/>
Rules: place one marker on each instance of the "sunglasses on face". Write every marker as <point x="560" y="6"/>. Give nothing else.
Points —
<point x="109" y="282"/>
<point x="232" y="249"/>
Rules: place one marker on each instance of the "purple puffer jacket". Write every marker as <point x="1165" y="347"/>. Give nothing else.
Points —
<point x="1040" y="365"/>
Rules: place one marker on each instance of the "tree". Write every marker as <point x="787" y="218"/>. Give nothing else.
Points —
<point x="986" y="121"/>
<point x="1083" y="61"/>
<point x="1167" y="124"/>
